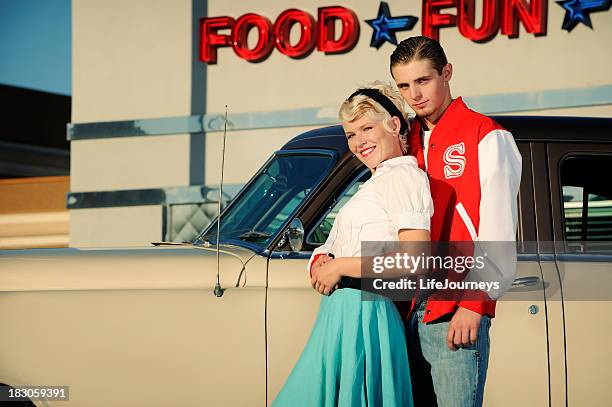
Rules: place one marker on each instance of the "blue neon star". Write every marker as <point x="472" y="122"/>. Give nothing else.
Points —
<point x="577" y="11"/>
<point x="385" y="26"/>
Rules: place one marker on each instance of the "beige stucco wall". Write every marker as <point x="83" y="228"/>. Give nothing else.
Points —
<point x="133" y="60"/>
<point x="558" y="60"/>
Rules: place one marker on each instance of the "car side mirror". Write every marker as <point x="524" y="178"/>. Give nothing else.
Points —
<point x="294" y="234"/>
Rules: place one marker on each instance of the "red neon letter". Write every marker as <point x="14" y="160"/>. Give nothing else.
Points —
<point x="282" y="31"/>
<point x="534" y="18"/>
<point x="467" y="20"/>
<point x="210" y="40"/>
<point x="433" y="20"/>
<point x="241" y="33"/>
<point x="326" y="41"/>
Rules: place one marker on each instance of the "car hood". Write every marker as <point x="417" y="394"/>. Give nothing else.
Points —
<point x="163" y="267"/>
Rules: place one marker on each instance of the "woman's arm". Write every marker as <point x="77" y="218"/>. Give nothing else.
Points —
<point x="330" y="273"/>
<point x="407" y="200"/>
<point x="351" y="266"/>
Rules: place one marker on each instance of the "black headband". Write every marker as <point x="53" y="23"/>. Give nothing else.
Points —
<point x="386" y="103"/>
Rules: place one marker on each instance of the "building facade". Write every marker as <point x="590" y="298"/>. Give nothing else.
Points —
<point x="152" y="80"/>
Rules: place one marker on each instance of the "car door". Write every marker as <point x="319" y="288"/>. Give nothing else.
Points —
<point x="582" y="222"/>
<point x="519" y="336"/>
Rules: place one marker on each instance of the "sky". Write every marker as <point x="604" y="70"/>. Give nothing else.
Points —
<point x="35" y="45"/>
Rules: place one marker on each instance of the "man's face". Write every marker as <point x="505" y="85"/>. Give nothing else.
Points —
<point x="371" y="142"/>
<point x="426" y="91"/>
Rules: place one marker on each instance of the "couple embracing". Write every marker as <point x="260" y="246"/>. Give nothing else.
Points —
<point x="450" y="175"/>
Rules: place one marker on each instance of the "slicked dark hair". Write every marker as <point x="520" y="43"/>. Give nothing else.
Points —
<point x="417" y="48"/>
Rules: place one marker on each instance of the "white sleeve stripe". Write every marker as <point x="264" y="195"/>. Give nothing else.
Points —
<point x="468" y="222"/>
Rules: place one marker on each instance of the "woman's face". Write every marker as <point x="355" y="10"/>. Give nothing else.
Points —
<point x="371" y="142"/>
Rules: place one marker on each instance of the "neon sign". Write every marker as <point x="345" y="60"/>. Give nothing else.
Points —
<point x="498" y="16"/>
<point x="320" y="33"/>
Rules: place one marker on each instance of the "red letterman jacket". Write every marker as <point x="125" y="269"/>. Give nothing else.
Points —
<point x="455" y="184"/>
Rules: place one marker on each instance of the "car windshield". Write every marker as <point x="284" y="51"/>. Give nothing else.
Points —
<point x="258" y="213"/>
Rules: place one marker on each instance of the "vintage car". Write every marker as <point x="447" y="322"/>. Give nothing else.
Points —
<point x="222" y="325"/>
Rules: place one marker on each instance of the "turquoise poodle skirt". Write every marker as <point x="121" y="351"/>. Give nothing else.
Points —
<point x="355" y="356"/>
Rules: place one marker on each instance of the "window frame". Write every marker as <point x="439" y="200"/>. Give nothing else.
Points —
<point x="332" y="155"/>
<point x="558" y="153"/>
<point x="332" y="204"/>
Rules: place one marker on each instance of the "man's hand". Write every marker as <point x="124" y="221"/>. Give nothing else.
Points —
<point x="463" y="329"/>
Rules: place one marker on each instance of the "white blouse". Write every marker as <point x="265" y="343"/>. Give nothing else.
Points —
<point x="395" y="197"/>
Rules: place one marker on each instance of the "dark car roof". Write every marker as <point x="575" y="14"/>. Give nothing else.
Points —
<point x="524" y="128"/>
<point x="556" y="128"/>
<point x="331" y="137"/>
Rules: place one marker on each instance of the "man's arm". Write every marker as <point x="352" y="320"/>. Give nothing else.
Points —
<point x="500" y="177"/>
<point x="500" y="167"/>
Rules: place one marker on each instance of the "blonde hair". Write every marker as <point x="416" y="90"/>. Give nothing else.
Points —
<point x="361" y="105"/>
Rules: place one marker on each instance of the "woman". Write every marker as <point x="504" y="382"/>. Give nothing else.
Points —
<point x="356" y="353"/>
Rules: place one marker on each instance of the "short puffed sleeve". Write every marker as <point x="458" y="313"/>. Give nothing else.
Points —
<point x="407" y="198"/>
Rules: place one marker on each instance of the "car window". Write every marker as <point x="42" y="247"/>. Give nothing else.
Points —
<point x="319" y="234"/>
<point x="270" y="198"/>
<point x="587" y="200"/>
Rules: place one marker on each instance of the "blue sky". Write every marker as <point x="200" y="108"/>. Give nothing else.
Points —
<point x="35" y="44"/>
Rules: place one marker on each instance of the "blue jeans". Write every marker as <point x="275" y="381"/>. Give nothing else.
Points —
<point x="440" y="376"/>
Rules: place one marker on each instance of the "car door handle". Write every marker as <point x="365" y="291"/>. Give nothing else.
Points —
<point x="528" y="281"/>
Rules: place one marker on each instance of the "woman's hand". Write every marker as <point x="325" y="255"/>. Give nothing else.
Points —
<point x="314" y="269"/>
<point x="327" y="277"/>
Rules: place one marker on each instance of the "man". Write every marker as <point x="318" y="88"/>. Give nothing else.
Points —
<point x="474" y="169"/>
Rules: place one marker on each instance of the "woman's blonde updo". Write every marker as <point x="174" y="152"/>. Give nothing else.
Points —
<point x="361" y="105"/>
